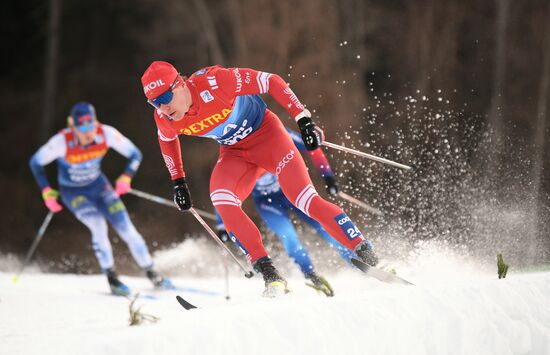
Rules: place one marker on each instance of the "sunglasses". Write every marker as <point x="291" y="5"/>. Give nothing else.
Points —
<point x="166" y="97"/>
<point x="85" y="128"/>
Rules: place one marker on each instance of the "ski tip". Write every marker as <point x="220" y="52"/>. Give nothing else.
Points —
<point x="184" y="303"/>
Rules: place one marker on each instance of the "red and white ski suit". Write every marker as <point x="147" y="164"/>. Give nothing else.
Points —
<point x="226" y="107"/>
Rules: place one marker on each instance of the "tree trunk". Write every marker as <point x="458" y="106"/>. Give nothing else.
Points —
<point x="50" y="69"/>
<point x="541" y="129"/>
<point x="241" y="56"/>
<point x="497" y="99"/>
<point x="209" y="29"/>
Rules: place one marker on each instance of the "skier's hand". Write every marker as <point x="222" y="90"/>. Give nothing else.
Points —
<point x="123" y="185"/>
<point x="50" y="199"/>
<point x="223" y="235"/>
<point x="330" y="185"/>
<point x="312" y="135"/>
<point x="182" y="196"/>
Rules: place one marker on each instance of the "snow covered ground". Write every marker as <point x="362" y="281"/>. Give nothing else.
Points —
<point x="451" y="310"/>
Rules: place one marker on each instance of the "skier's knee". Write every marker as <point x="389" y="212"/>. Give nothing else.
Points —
<point x="222" y="198"/>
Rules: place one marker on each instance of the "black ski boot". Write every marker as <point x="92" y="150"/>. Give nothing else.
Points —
<point x="275" y="284"/>
<point x="117" y="287"/>
<point x="366" y="253"/>
<point x="159" y="281"/>
<point x="319" y="283"/>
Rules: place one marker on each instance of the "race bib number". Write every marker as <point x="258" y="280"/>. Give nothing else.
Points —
<point x="349" y="229"/>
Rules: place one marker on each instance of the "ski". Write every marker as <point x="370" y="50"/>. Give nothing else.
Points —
<point x="184" y="303"/>
<point x="139" y="295"/>
<point x="378" y="274"/>
<point x="145" y="296"/>
<point x="199" y="291"/>
<point x="193" y="290"/>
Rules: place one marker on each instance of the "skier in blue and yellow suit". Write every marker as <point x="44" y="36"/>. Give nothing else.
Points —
<point x="86" y="192"/>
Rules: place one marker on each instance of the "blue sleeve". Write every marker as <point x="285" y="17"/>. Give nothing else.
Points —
<point x="133" y="162"/>
<point x="53" y="149"/>
<point x="124" y="147"/>
<point x="38" y="172"/>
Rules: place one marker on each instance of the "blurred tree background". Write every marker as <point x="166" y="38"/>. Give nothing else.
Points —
<point x="457" y="88"/>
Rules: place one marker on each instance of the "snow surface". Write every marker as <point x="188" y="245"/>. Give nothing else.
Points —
<point x="453" y="309"/>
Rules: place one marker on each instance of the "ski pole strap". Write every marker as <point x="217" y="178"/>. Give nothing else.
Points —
<point x="365" y="155"/>
<point x="360" y="203"/>
<point x="248" y="273"/>
<point x="166" y="202"/>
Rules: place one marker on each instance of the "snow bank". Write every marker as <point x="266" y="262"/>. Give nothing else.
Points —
<point x="68" y="314"/>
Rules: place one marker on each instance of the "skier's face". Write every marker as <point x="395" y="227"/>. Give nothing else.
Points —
<point x="87" y="137"/>
<point x="180" y="103"/>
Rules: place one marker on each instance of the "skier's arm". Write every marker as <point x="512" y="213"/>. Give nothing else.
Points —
<point x="245" y="81"/>
<point x="171" y="152"/>
<point x="170" y="148"/>
<point x="127" y="149"/>
<point x="124" y="147"/>
<point x="55" y="148"/>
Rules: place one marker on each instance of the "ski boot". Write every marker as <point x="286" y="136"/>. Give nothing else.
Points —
<point x="275" y="284"/>
<point x="117" y="287"/>
<point x="366" y="253"/>
<point x="159" y="281"/>
<point x="319" y="283"/>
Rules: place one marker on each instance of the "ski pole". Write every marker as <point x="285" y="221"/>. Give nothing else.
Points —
<point x="166" y="202"/>
<point x="34" y="245"/>
<point x="226" y="272"/>
<point x="197" y="214"/>
<point x="248" y="273"/>
<point x="365" y="155"/>
<point x="360" y="203"/>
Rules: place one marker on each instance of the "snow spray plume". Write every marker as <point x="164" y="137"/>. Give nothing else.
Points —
<point x="450" y="196"/>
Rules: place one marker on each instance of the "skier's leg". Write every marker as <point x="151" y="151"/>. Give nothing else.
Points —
<point x="283" y="160"/>
<point x="87" y="213"/>
<point x="80" y="203"/>
<point x="114" y="210"/>
<point x="345" y="253"/>
<point x="231" y="182"/>
<point x="274" y="209"/>
<point x="275" y="217"/>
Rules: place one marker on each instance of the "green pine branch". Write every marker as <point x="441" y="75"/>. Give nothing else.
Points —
<point x="136" y="316"/>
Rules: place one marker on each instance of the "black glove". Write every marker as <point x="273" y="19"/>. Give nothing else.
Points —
<point x="330" y="185"/>
<point x="311" y="134"/>
<point x="224" y="237"/>
<point x="182" y="196"/>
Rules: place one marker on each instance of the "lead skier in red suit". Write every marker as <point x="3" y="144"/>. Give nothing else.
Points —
<point x="224" y="104"/>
